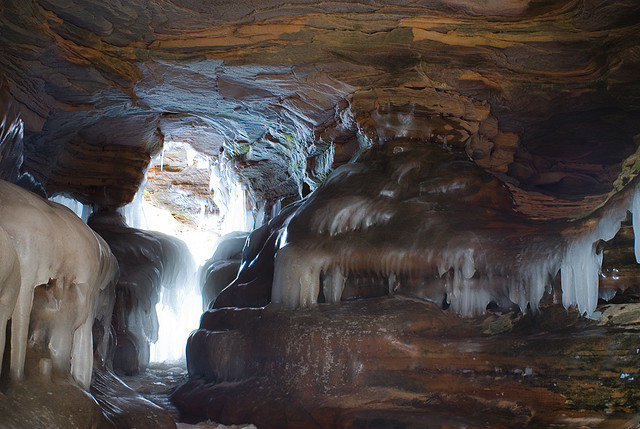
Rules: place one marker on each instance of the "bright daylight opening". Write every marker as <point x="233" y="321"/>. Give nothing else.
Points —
<point x="197" y="199"/>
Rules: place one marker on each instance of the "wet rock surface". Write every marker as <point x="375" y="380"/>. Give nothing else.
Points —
<point x="397" y="362"/>
<point x="126" y="408"/>
<point x="545" y="93"/>
<point x="49" y="403"/>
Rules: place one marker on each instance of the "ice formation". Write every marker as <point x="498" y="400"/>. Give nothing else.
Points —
<point x="11" y="146"/>
<point x="252" y="286"/>
<point x="9" y="284"/>
<point x="11" y="132"/>
<point x="429" y="223"/>
<point x="152" y="265"/>
<point x="83" y="211"/>
<point x="56" y="248"/>
<point x="134" y="213"/>
<point x="222" y="268"/>
<point x="231" y="198"/>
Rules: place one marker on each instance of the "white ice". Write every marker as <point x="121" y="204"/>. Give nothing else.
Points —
<point x="298" y="267"/>
<point x="83" y="211"/>
<point x="53" y="243"/>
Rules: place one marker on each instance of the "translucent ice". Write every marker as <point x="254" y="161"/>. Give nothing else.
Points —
<point x="152" y="264"/>
<point x="83" y="211"/>
<point x="581" y="263"/>
<point x="54" y="246"/>
<point x="436" y="226"/>
<point x="230" y="197"/>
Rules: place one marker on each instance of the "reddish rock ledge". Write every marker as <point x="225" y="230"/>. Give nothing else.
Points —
<point x="398" y="362"/>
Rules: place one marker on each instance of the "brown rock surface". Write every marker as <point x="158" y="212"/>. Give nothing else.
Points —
<point x="395" y="362"/>
<point x="545" y="93"/>
<point x="49" y="403"/>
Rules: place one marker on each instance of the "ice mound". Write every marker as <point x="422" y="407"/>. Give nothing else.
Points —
<point x="428" y="222"/>
<point x="222" y="268"/>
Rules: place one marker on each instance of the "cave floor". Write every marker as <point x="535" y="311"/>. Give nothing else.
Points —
<point x="156" y="384"/>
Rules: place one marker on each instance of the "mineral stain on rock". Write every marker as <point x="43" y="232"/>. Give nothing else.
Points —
<point x="442" y="201"/>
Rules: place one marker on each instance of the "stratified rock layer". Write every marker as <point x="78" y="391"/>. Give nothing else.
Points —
<point x="546" y="93"/>
<point x="396" y="362"/>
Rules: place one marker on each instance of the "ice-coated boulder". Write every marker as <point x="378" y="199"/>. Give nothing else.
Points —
<point x="57" y="249"/>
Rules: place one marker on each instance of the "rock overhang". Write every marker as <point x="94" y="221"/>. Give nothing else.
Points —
<point x="543" y="95"/>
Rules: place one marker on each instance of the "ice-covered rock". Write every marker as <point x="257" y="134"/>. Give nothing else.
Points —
<point x="230" y="246"/>
<point x="151" y="265"/>
<point x="252" y="286"/>
<point x="56" y="248"/>
<point x="11" y="132"/>
<point x="9" y="284"/>
<point x="222" y="268"/>
<point x="434" y="225"/>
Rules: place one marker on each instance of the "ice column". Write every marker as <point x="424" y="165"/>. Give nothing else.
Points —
<point x="82" y="210"/>
<point x="230" y="197"/>
<point x="581" y="264"/>
<point x="635" y="213"/>
<point x="133" y="212"/>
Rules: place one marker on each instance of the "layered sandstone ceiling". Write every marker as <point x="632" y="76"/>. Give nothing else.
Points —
<point x="546" y="95"/>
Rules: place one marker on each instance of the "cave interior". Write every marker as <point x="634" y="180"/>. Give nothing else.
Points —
<point x="319" y="214"/>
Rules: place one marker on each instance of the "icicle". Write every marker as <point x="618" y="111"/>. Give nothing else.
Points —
<point x="333" y="285"/>
<point x="133" y="212"/>
<point x="442" y="222"/>
<point x="579" y="276"/>
<point x="83" y="211"/>
<point x="581" y="264"/>
<point x="635" y="215"/>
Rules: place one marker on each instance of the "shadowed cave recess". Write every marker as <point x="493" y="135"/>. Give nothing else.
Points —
<point x="319" y="214"/>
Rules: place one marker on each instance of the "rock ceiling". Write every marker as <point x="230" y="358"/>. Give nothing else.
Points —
<point x="546" y="95"/>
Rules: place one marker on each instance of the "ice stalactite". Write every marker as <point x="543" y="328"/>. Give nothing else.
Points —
<point x="56" y="248"/>
<point x="83" y="211"/>
<point x="435" y="226"/>
<point x="134" y="212"/>
<point x="581" y="263"/>
<point x="275" y="208"/>
<point x="231" y="199"/>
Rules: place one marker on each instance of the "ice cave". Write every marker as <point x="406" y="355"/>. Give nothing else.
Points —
<point x="336" y="214"/>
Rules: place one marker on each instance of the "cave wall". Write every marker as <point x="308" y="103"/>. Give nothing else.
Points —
<point x="542" y="93"/>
